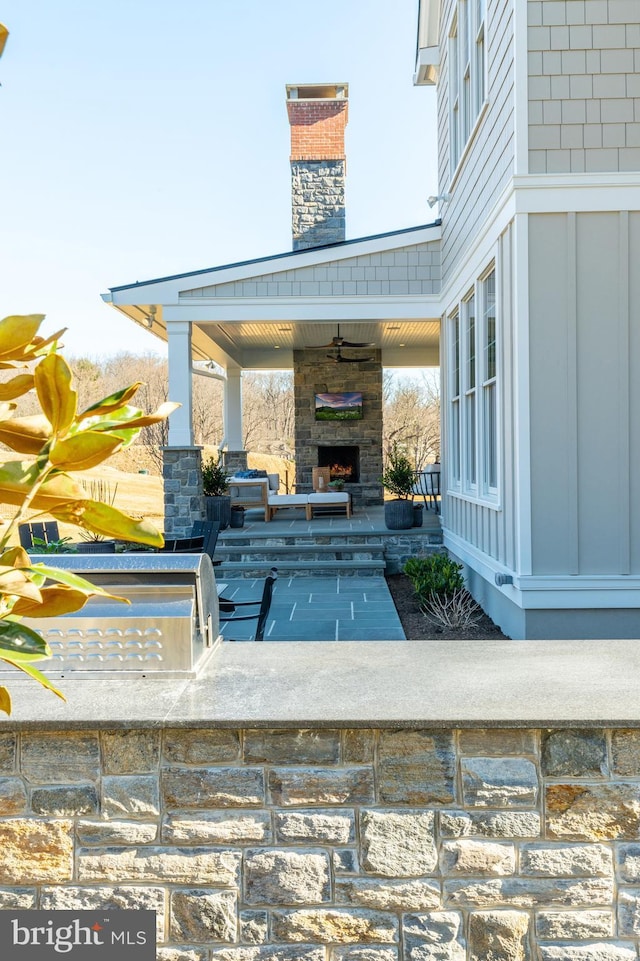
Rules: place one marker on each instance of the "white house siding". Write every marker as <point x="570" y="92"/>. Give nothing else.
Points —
<point x="584" y="86"/>
<point x="491" y="529"/>
<point x="584" y="392"/>
<point x="487" y="165"/>
<point x="413" y="269"/>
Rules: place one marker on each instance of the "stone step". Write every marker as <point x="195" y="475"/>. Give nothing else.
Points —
<point x="309" y="552"/>
<point x="297" y="568"/>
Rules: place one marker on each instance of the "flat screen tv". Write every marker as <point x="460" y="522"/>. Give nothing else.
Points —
<point x="346" y="405"/>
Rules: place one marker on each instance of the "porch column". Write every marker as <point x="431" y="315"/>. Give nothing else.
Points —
<point x="180" y="378"/>
<point x="181" y="460"/>
<point x="235" y="457"/>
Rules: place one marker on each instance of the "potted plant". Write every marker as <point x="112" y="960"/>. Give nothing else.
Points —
<point x="337" y="484"/>
<point x="237" y="517"/>
<point x="398" y="478"/>
<point x="215" y="487"/>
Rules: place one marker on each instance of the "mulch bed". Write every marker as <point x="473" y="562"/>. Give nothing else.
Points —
<point x="418" y="627"/>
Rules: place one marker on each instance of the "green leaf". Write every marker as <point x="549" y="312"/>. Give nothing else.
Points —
<point x="83" y="450"/>
<point x="17" y="479"/>
<point x="73" y="580"/>
<point x="58" y="400"/>
<point x="112" y="402"/>
<point x="36" y="675"/>
<point x="16" y="640"/>
<point x="104" y="519"/>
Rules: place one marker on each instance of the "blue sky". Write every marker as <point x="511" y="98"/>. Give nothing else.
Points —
<point x="143" y="138"/>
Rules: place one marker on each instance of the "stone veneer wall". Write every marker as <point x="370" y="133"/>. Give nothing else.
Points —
<point x="182" y="482"/>
<point x="314" y="374"/>
<point x="334" y="845"/>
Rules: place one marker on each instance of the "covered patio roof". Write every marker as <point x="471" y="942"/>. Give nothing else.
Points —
<point x="383" y="289"/>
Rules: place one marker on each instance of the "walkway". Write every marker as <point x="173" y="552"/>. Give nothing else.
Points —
<point x="320" y="609"/>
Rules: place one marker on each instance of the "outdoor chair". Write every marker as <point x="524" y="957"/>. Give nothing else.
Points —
<point x="263" y="613"/>
<point x="427" y="484"/>
<point x="46" y="531"/>
<point x="182" y="545"/>
<point x="208" y="530"/>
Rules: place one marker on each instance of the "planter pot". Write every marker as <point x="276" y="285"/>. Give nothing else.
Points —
<point x="418" y="514"/>
<point x="237" y="518"/>
<point x="96" y="547"/>
<point x="219" y="509"/>
<point x="398" y="515"/>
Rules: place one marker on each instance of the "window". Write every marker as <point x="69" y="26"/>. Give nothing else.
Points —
<point x="473" y="405"/>
<point x="489" y="402"/>
<point x="467" y="59"/>
<point x="454" y="327"/>
<point x="470" y="420"/>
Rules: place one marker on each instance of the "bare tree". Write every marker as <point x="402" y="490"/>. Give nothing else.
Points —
<point x="412" y="416"/>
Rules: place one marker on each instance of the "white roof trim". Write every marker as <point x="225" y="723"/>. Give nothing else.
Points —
<point x="428" y="46"/>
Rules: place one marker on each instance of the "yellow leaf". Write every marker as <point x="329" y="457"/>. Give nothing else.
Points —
<point x="39" y="345"/>
<point x="16" y="333"/>
<point x="58" y="400"/>
<point x="4" y="33"/>
<point x="84" y="450"/>
<point x="16" y="387"/>
<point x="15" y="557"/>
<point x="26" y="435"/>
<point x="107" y="520"/>
<point x="5" y="701"/>
<point x="17" y="583"/>
<point x="16" y="482"/>
<point x="54" y="602"/>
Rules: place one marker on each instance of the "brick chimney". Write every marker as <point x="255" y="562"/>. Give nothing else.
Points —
<point x="318" y="117"/>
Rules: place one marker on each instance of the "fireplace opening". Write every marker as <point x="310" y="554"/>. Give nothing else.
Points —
<point x="343" y="462"/>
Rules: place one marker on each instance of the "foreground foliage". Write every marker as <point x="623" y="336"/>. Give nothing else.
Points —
<point x="58" y="442"/>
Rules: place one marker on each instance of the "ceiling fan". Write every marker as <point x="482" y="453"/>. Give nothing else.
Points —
<point x="339" y="359"/>
<point x="339" y="342"/>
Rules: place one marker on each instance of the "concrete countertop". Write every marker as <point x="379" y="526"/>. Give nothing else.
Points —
<point x="359" y="684"/>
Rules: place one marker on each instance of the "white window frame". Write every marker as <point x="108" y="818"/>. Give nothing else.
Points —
<point x="467" y="76"/>
<point x="473" y="362"/>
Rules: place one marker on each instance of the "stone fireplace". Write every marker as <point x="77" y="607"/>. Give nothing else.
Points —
<point x="343" y="460"/>
<point x="352" y="449"/>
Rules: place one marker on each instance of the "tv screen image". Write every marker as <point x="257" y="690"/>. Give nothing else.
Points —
<point x="346" y="405"/>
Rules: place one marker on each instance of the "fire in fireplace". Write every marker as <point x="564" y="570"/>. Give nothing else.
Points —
<point x="343" y="462"/>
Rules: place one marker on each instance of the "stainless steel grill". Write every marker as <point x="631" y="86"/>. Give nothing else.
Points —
<point x="170" y="625"/>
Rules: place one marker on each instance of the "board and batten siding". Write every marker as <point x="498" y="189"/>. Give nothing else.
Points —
<point x="491" y="528"/>
<point x="487" y="165"/>
<point x="584" y="86"/>
<point x="584" y="342"/>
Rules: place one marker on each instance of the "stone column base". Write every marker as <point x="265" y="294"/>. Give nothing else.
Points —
<point x="234" y="460"/>
<point x="183" y="497"/>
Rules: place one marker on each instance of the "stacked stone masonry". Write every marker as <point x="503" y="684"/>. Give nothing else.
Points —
<point x="182" y="482"/>
<point x="584" y="86"/>
<point x="334" y="845"/>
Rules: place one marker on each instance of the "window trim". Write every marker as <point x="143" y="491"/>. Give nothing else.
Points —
<point x="465" y="480"/>
<point x="468" y="81"/>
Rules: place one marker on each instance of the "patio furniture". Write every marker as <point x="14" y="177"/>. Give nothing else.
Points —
<point x="209" y="530"/>
<point x="334" y="499"/>
<point x="251" y="492"/>
<point x="46" y="531"/>
<point x="182" y="545"/>
<point x="263" y="613"/>
<point x="277" y="502"/>
<point x="427" y="485"/>
<point x="320" y="478"/>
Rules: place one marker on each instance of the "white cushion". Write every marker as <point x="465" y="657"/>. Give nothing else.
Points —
<point x="287" y="500"/>
<point x="333" y="497"/>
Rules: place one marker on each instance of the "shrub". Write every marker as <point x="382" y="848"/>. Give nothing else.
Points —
<point x="435" y="574"/>
<point x="439" y="587"/>
<point x="399" y="475"/>
<point x="215" y="479"/>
